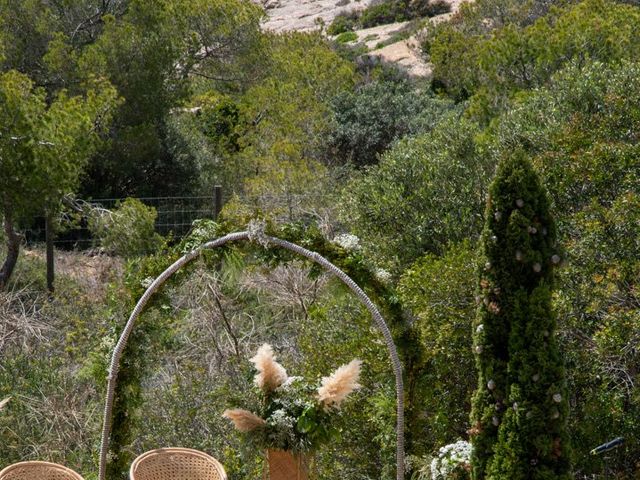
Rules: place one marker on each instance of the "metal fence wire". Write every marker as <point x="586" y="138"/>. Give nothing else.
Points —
<point x="175" y="217"/>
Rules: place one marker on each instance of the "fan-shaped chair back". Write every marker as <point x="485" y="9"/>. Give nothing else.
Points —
<point x="38" y="471"/>
<point x="176" y="464"/>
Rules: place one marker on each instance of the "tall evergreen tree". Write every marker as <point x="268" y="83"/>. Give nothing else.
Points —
<point x="520" y="408"/>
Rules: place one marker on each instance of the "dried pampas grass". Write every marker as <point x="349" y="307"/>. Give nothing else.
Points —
<point x="244" y="420"/>
<point x="270" y="373"/>
<point x="336" y="387"/>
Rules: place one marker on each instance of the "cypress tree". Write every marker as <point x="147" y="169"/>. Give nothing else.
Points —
<point x="519" y="410"/>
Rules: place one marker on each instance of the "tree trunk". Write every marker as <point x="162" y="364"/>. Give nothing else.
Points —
<point x="13" y="250"/>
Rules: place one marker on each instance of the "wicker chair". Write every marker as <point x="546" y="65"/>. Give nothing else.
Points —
<point x="176" y="464"/>
<point x="38" y="471"/>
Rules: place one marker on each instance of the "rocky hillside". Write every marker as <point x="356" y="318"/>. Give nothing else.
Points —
<point x="306" y="15"/>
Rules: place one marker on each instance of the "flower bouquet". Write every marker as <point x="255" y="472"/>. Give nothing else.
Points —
<point x="294" y="418"/>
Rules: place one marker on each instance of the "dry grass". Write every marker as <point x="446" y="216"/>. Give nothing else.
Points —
<point x="22" y="323"/>
<point x="91" y="272"/>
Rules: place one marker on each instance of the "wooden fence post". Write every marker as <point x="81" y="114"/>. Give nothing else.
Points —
<point x="49" y="236"/>
<point x="217" y="201"/>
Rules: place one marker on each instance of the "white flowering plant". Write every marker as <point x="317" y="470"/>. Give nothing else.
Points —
<point x="293" y="414"/>
<point x="452" y="462"/>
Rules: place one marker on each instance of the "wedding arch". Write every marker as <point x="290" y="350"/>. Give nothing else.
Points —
<point x="254" y="233"/>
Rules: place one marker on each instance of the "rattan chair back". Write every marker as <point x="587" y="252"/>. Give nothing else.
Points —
<point x="176" y="464"/>
<point x="38" y="471"/>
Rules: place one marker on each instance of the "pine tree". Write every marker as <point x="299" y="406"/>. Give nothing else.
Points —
<point x="520" y="408"/>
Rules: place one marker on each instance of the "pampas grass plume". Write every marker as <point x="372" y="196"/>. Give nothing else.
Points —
<point x="244" y="420"/>
<point x="270" y="373"/>
<point x="336" y="387"/>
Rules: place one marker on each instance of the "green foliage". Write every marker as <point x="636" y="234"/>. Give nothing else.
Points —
<point x="383" y="12"/>
<point x="493" y="65"/>
<point x="277" y="138"/>
<point x="520" y="408"/>
<point x="345" y="22"/>
<point x="368" y="120"/>
<point x="597" y="304"/>
<point x="45" y="147"/>
<point x="426" y="192"/>
<point x="128" y="231"/>
<point x="583" y="145"/>
<point x="438" y="291"/>
<point x="347" y="37"/>
<point x="205" y="38"/>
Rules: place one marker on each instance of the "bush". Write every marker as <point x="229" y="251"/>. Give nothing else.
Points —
<point x="383" y="13"/>
<point x="428" y="8"/>
<point x="369" y="120"/>
<point x="128" y="231"/>
<point x="425" y="193"/>
<point x="443" y="310"/>
<point x="347" y="37"/>
<point x="345" y="22"/>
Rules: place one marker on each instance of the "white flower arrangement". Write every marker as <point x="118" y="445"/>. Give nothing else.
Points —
<point x="293" y="414"/>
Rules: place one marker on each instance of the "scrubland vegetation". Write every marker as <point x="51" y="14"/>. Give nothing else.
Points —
<point x="386" y="175"/>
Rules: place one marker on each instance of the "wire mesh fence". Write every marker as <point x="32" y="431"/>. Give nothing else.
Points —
<point x="175" y="218"/>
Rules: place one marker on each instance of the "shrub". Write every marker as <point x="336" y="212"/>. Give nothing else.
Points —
<point x="426" y="193"/>
<point x="345" y="22"/>
<point x="439" y="293"/>
<point x="347" y="37"/>
<point x="383" y="13"/>
<point x="369" y="120"/>
<point x="129" y="231"/>
<point x="428" y="8"/>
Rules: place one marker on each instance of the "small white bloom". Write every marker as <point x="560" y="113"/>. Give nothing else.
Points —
<point x="537" y="267"/>
<point x="491" y="385"/>
<point x="520" y="203"/>
<point x="146" y="282"/>
<point x="495" y="421"/>
<point x="347" y="241"/>
<point x="289" y="381"/>
<point x="480" y="328"/>
<point x="555" y="259"/>
<point x="557" y="397"/>
<point x="382" y="275"/>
